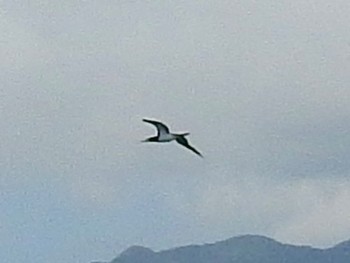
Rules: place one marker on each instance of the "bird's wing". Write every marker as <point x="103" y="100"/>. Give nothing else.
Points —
<point x="183" y="141"/>
<point x="161" y="128"/>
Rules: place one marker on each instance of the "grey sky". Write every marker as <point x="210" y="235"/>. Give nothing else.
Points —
<point x="263" y="87"/>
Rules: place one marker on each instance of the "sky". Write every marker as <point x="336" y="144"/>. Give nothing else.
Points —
<point x="262" y="86"/>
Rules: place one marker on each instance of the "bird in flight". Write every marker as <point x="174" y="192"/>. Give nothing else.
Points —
<point x="164" y="135"/>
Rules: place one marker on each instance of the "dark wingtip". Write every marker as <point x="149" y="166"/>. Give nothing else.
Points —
<point x="197" y="153"/>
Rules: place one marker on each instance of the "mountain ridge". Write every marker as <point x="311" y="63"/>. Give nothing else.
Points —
<point x="239" y="249"/>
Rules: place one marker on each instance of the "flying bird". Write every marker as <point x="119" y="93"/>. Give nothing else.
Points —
<point x="164" y="135"/>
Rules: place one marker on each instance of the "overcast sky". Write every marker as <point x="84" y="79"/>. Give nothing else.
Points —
<point x="263" y="87"/>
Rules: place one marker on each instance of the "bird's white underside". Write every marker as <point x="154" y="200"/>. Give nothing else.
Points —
<point x="166" y="137"/>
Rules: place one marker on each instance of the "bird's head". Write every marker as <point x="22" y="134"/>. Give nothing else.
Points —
<point x="151" y="139"/>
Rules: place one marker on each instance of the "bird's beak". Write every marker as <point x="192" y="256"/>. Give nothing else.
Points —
<point x="146" y="140"/>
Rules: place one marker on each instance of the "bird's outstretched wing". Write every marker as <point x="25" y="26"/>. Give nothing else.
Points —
<point x="161" y="128"/>
<point x="183" y="141"/>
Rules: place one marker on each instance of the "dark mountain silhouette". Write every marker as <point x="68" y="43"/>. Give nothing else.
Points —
<point x="242" y="249"/>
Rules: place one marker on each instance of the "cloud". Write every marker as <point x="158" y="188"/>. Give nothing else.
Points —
<point x="302" y="211"/>
<point x="22" y="50"/>
<point x="322" y="216"/>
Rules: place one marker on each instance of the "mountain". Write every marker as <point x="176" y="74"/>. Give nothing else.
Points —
<point x="136" y="254"/>
<point x="242" y="249"/>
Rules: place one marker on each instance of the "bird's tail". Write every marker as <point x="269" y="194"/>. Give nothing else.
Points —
<point x="184" y="134"/>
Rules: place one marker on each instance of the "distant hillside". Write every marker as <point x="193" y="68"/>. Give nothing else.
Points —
<point x="243" y="249"/>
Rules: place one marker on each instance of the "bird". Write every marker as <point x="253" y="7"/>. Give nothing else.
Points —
<point x="164" y="135"/>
